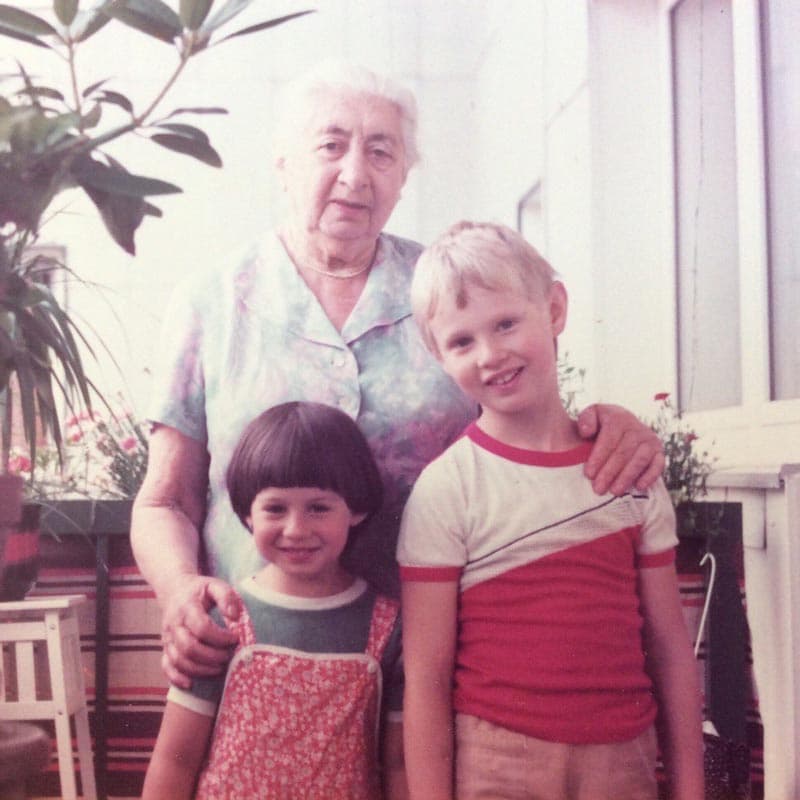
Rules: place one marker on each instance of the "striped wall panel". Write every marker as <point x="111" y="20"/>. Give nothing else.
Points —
<point x="137" y="687"/>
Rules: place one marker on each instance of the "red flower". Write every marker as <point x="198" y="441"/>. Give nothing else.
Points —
<point x="128" y="444"/>
<point x="19" y="463"/>
<point x="661" y="396"/>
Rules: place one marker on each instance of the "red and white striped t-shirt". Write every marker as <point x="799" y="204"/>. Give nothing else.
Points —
<point x="549" y="634"/>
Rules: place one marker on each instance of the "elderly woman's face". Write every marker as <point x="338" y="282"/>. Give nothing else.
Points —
<point x="346" y="171"/>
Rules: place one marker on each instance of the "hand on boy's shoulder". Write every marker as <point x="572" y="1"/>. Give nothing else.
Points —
<point x="626" y="453"/>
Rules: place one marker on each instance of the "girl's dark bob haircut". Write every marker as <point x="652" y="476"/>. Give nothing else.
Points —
<point x="303" y="444"/>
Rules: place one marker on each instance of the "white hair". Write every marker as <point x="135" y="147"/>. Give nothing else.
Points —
<point x="295" y="102"/>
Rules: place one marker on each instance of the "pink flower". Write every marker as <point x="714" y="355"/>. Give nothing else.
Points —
<point x="75" y="436"/>
<point x="128" y="444"/>
<point x="661" y="396"/>
<point x="690" y="437"/>
<point x="19" y="463"/>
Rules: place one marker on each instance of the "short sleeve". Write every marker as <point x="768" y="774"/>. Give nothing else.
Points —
<point x="432" y="543"/>
<point x="178" y="393"/>
<point x="394" y="680"/>
<point x="204" y="694"/>
<point x="659" y="539"/>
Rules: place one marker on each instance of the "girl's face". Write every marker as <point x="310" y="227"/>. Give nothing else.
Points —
<point x="301" y="532"/>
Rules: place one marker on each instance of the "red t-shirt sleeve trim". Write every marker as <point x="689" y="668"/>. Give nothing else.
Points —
<point x="430" y="574"/>
<point x="656" y="559"/>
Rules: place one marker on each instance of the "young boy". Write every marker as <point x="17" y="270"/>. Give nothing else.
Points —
<point x="543" y="632"/>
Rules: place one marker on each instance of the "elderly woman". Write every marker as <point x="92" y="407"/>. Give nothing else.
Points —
<point x="317" y="310"/>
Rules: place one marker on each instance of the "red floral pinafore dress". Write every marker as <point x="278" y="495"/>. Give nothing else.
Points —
<point x="299" y="726"/>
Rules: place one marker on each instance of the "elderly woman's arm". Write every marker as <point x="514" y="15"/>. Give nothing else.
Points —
<point x="627" y="452"/>
<point x="167" y="516"/>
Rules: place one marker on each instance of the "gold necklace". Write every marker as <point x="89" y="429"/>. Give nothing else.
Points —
<point x="340" y="275"/>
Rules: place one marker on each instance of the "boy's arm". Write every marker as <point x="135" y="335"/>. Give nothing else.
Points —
<point x="178" y="754"/>
<point x="671" y="665"/>
<point x="429" y="642"/>
<point x="395" y="785"/>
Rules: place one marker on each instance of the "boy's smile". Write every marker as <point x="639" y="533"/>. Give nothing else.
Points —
<point x="500" y="349"/>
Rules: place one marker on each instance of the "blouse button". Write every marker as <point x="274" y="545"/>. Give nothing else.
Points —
<point x="372" y="667"/>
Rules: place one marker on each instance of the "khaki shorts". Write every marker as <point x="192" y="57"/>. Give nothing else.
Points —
<point x="494" y="763"/>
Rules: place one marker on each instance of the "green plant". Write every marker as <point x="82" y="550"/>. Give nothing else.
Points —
<point x="104" y="457"/>
<point x="687" y="465"/>
<point x="51" y="141"/>
<point x="570" y="383"/>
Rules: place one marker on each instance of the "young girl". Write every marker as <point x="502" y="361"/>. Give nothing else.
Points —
<point x="315" y="685"/>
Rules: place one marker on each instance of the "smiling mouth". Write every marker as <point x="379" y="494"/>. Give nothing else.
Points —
<point x="298" y="553"/>
<point x="504" y="378"/>
<point x="350" y="204"/>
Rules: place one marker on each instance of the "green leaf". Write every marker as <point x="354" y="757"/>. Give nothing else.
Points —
<point x="94" y="174"/>
<point x="23" y="37"/>
<point x="65" y="11"/>
<point x="152" y="211"/>
<point x="26" y="398"/>
<point x="199" y="110"/>
<point x="120" y="214"/>
<point x="185" y="130"/>
<point x="87" y="23"/>
<point x="34" y="131"/>
<point x="92" y="118"/>
<point x="93" y="88"/>
<point x="115" y="98"/>
<point x="41" y="91"/>
<point x="16" y="19"/>
<point x="148" y="16"/>
<point x="194" y="12"/>
<point x="200" y="150"/>
<point x="42" y="335"/>
<point x="227" y="12"/>
<point x="261" y="26"/>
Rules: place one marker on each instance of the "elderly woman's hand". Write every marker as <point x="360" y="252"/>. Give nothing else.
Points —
<point x="627" y="452"/>
<point x="194" y="645"/>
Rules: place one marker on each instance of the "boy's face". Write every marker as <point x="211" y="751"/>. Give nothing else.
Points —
<point x="500" y="350"/>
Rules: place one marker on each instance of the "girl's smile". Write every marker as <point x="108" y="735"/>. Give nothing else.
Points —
<point x="301" y="532"/>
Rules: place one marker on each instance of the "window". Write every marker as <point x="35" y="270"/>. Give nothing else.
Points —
<point x="707" y="247"/>
<point x="781" y="64"/>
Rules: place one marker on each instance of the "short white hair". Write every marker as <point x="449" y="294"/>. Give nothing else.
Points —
<point x="294" y="104"/>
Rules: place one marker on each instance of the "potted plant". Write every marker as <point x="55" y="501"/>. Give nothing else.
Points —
<point x="51" y="141"/>
<point x="686" y="470"/>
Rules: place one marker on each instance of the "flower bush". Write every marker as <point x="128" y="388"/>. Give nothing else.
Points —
<point x="570" y="383"/>
<point x="104" y="457"/>
<point x="687" y="466"/>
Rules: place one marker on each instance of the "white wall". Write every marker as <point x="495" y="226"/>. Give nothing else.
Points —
<point x="633" y="274"/>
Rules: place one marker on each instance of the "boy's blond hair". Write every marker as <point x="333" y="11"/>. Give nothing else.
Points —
<point x="483" y="254"/>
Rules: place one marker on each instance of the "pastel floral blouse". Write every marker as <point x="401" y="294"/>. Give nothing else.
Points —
<point x="244" y="338"/>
